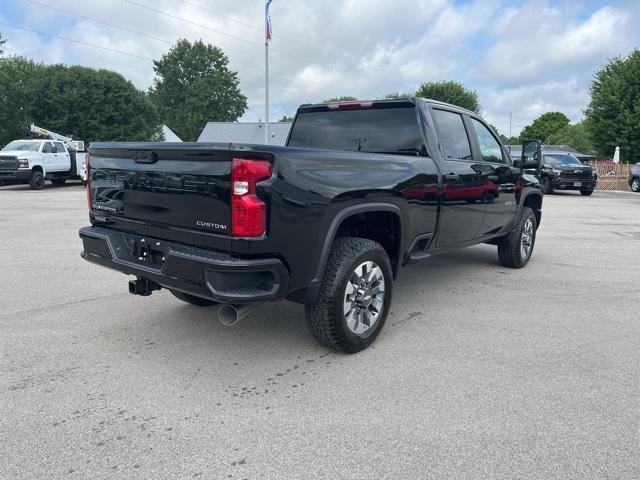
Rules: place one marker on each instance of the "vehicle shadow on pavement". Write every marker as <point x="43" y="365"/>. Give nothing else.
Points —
<point x="277" y="324"/>
<point x="47" y="186"/>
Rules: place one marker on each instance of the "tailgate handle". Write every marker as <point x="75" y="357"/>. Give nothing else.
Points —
<point x="145" y="157"/>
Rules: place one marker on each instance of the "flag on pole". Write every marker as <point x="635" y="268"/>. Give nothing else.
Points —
<point x="267" y="21"/>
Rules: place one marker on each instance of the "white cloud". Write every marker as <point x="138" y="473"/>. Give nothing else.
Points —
<point x="525" y="58"/>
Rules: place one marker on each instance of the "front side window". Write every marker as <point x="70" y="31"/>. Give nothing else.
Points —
<point x="452" y="136"/>
<point x="59" y="146"/>
<point x="489" y="146"/>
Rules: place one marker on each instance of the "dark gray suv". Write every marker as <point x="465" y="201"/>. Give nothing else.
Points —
<point x="634" y="178"/>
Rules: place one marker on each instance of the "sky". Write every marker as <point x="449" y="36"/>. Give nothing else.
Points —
<point x="523" y="57"/>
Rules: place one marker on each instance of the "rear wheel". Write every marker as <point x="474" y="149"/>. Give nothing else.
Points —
<point x="546" y="185"/>
<point x="193" y="300"/>
<point x="58" y="181"/>
<point x="586" y="193"/>
<point x="515" y="249"/>
<point x="355" y="295"/>
<point x="36" y="182"/>
<point x="635" y="185"/>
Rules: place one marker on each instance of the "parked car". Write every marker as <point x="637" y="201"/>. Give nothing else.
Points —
<point x="563" y="171"/>
<point x="33" y="161"/>
<point x="360" y="190"/>
<point x="634" y="178"/>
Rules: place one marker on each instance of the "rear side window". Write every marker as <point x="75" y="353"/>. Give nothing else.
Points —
<point x="489" y="146"/>
<point x="60" y="147"/>
<point x="47" y="148"/>
<point x="452" y="136"/>
<point x="381" y="130"/>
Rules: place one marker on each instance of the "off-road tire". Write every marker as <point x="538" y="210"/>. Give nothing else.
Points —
<point x="325" y="317"/>
<point x="193" y="300"/>
<point x="58" y="181"/>
<point x="510" y="247"/>
<point x="546" y="185"/>
<point x="586" y="193"/>
<point x="36" y="182"/>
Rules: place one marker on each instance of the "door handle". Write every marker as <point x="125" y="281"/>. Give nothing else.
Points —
<point x="452" y="177"/>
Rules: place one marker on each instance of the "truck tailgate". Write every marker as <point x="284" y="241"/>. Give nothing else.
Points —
<point x="176" y="191"/>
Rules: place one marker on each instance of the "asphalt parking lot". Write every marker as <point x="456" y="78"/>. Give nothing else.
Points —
<point x="480" y="372"/>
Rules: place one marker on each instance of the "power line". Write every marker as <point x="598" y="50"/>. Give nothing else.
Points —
<point x="96" y="20"/>
<point x="231" y="19"/>
<point x="297" y="42"/>
<point x="73" y="40"/>
<point x="249" y="42"/>
<point x="77" y="15"/>
<point x="114" y="50"/>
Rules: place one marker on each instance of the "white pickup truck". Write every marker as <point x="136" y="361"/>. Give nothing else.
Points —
<point x="33" y="161"/>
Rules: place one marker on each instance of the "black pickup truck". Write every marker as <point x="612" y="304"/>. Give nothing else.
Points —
<point x="360" y="190"/>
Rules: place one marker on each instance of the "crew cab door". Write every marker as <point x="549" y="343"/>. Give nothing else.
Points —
<point x="463" y="186"/>
<point x="63" y="159"/>
<point x="500" y="179"/>
<point x="48" y="157"/>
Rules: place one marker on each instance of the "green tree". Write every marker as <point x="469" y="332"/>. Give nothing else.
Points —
<point x="450" y="92"/>
<point x="193" y="86"/>
<point x="93" y="105"/>
<point x="286" y="119"/>
<point x="503" y="138"/>
<point x="2" y="42"/>
<point x="339" y="99"/>
<point x="543" y="127"/>
<point x="18" y="82"/>
<point x="613" y="116"/>
<point x="576" y="136"/>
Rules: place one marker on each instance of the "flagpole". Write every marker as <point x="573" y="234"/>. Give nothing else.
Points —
<point x="266" y="92"/>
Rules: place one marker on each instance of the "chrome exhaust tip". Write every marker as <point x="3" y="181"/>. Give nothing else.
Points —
<point x="229" y="314"/>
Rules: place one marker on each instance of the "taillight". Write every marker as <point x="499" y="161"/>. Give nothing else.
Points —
<point x="88" y="181"/>
<point x="248" y="212"/>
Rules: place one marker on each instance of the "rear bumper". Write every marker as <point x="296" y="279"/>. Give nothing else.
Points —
<point x="203" y="273"/>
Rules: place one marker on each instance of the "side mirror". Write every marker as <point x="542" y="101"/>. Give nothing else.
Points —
<point x="531" y="155"/>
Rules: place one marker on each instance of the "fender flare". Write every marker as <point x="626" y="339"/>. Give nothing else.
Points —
<point x="337" y="221"/>
<point x="529" y="191"/>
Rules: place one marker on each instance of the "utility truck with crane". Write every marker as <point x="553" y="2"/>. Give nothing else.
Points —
<point x="57" y="158"/>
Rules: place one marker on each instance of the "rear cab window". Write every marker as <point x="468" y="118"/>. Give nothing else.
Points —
<point x="452" y="135"/>
<point x="384" y="129"/>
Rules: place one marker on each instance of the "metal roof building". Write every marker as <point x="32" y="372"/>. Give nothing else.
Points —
<point x="249" y="132"/>
<point x="168" y="135"/>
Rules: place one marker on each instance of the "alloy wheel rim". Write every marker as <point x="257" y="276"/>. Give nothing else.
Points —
<point x="526" y="240"/>
<point x="636" y="185"/>
<point x="364" y="297"/>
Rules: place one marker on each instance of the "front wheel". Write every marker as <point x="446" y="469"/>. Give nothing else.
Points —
<point x="36" y="182"/>
<point x="546" y="185"/>
<point x="586" y="193"/>
<point x="515" y="249"/>
<point x="354" y="297"/>
<point x="635" y="185"/>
